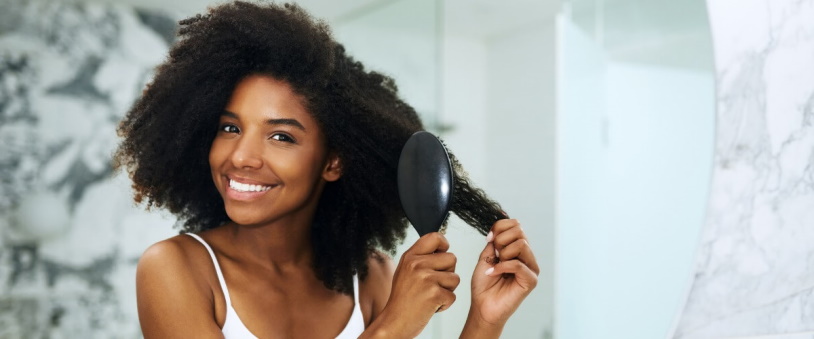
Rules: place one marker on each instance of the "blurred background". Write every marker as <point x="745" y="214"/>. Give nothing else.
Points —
<point x="659" y="154"/>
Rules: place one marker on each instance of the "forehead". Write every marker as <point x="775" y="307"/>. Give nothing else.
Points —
<point x="260" y="97"/>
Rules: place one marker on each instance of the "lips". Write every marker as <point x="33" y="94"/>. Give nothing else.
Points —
<point x="243" y="187"/>
<point x="246" y="189"/>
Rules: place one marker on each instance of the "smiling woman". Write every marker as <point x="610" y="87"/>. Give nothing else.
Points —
<point x="270" y="152"/>
<point x="278" y="152"/>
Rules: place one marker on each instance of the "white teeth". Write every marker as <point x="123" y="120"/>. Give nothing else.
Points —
<point x="241" y="187"/>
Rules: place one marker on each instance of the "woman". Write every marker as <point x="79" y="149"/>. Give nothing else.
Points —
<point x="278" y="153"/>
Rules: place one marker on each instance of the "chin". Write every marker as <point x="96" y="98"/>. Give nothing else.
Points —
<point x="243" y="217"/>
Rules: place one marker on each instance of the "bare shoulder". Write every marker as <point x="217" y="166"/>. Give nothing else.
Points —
<point x="380" y="269"/>
<point x="376" y="286"/>
<point x="173" y="293"/>
<point x="167" y="258"/>
<point x="166" y="251"/>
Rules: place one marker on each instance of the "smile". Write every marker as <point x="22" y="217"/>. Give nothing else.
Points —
<point x="241" y="187"/>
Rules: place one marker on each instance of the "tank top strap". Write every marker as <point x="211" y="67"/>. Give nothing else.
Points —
<point x="218" y="271"/>
<point x="355" y="291"/>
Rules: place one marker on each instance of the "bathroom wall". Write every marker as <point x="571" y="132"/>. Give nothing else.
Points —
<point x="70" y="235"/>
<point x="635" y="135"/>
<point x="754" y="271"/>
<point x="633" y="176"/>
<point x="387" y="39"/>
<point x="520" y="154"/>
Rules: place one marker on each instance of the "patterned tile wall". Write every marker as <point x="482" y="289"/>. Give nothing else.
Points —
<point x="70" y="234"/>
<point x="755" y="267"/>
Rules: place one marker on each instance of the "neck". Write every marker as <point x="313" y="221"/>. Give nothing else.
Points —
<point x="280" y="245"/>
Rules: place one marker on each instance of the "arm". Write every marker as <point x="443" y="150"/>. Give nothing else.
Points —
<point x="173" y="301"/>
<point x="499" y="286"/>
<point x="422" y="284"/>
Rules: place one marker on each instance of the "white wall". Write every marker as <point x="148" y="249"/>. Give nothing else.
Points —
<point x="635" y="162"/>
<point x="463" y="108"/>
<point x="580" y="114"/>
<point x="519" y="136"/>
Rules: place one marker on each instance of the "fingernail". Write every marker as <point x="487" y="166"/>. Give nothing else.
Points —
<point x="497" y="254"/>
<point x="489" y="271"/>
<point x="489" y="236"/>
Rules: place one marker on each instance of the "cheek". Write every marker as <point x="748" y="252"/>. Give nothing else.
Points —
<point x="317" y="160"/>
<point x="217" y="153"/>
<point x="305" y="165"/>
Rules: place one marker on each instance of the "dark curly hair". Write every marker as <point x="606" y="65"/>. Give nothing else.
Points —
<point x="169" y="130"/>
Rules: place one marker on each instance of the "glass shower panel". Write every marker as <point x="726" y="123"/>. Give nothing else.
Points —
<point x="400" y="39"/>
<point x="635" y="145"/>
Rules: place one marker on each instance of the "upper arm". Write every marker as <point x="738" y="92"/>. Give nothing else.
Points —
<point x="173" y="301"/>
<point x="376" y="286"/>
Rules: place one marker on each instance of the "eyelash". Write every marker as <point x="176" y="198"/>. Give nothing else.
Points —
<point x="288" y="138"/>
<point x="225" y="128"/>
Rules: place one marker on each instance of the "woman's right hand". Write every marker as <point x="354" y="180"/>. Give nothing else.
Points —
<point x="423" y="284"/>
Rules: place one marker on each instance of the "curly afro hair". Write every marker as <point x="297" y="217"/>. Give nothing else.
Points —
<point x="169" y="130"/>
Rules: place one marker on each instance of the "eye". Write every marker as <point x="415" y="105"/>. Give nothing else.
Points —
<point x="229" y="128"/>
<point x="282" y="137"/>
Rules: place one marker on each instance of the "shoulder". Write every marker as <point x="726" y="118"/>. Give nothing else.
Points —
<point x="179" y="252"/>
<point x="171" y="249"/>
<point x="169" y="265"/>
<point x="380" y="267"/>
<point x="173" y="287"/>
<point x="177" y="262"/>
<point x="375" y="289"/>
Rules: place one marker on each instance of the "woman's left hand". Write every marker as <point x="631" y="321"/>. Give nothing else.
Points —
<point x="505" y="274"/>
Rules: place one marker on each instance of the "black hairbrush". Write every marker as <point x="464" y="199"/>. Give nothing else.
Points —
<point x="425" y="182"/>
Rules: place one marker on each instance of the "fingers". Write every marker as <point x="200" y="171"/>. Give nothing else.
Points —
<point x="504" y="224"/>
<point x="522" y="273"/>
<point x="448" y="280"/>
<point x="445" y="299"/>
<point x="488" y="250"/>
<point x="487" y="257"/>
<point x="436" y="261"/>
<point x="520" y="250"/>
<point x="511" y="243"/>
<point x="507" y="237"/>
<point x="423" y="284"/>
<point x="442" y="261"/>
<point x="430" y="251"/>
<point x="429" y="243"/>
<point x="443" y="294"/>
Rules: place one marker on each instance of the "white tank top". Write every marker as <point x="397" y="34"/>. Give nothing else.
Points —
<point x="233" y="328"/>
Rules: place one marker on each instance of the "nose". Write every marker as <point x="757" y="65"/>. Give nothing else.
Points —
<point x="247" y="154"/>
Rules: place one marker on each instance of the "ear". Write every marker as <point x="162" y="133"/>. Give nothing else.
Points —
<point x="333" y="168"/>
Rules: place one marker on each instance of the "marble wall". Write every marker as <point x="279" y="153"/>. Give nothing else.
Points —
<point x="70" y="235"/>
<point x="754" y="271"/>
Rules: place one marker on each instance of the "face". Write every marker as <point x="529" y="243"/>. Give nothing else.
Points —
<point x="269" y="160"/>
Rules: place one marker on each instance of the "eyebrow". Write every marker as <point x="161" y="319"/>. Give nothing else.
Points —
<point x="289" y="122"/>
